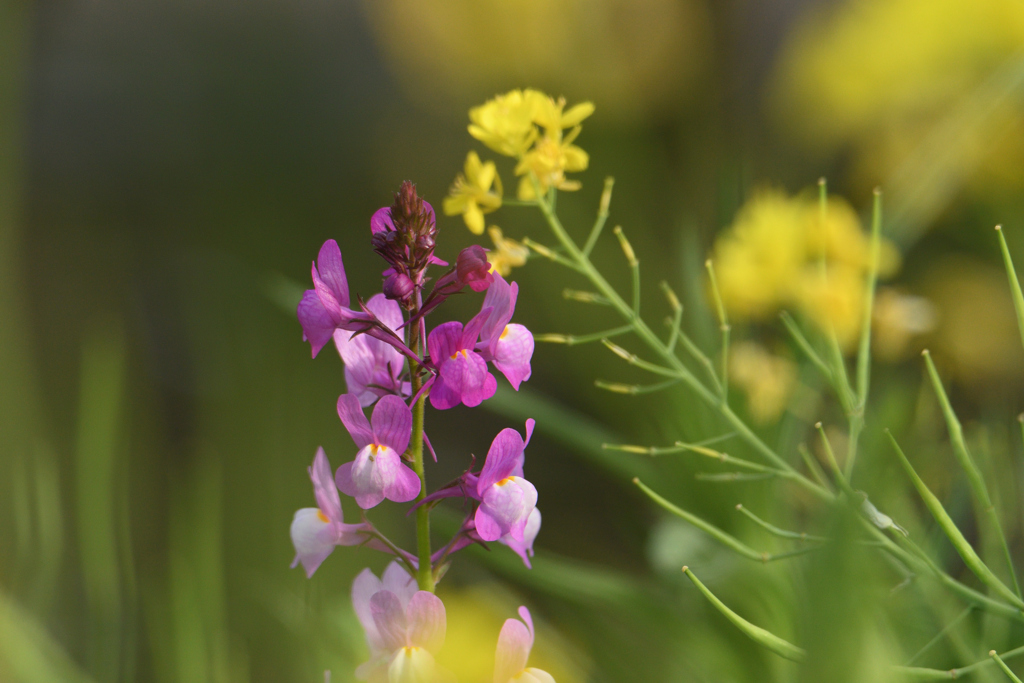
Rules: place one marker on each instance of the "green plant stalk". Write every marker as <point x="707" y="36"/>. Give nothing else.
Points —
<point x="1002" y="665"/>
<point x="776" y="531"/>
<point x="761" y="636"/>
<point x="941" y="634"/>
<point x="974" y="478"/>
<point x="582" y="264"/>
<point x="963" y="548"/>
<point x="425" y="573"/>
<point x="1011" y="273"/>
<point x="839" y="365"/>
<point x="723" y="323"/>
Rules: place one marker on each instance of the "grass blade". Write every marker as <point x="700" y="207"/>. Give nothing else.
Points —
<point x="1011" y="273"/>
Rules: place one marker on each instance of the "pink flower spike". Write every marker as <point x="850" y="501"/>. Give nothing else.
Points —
<point x="373" y="368"/>
<point x="316" y="531"/>
<point x="514" y="644"/>
<point x="378" y="471"/>
<point x="507" y="499"/>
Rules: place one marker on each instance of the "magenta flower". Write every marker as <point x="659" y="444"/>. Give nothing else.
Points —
<point x="514" y="644"/>
<point x="506" y="498"/>
<point x="508" y="346"/>
<point x="462" y="375"/>
<point x="315" y="531"/>
<point x="373" y="368"/>
<point x="404" y="627"/>
<point x="378" y="471"/>
<point x="324" y="308"/>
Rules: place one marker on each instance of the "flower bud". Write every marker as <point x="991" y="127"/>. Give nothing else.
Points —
<point x="398" y="287"/>
<point x="473" y="269"/>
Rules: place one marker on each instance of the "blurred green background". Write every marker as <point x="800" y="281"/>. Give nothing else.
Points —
<point x="168" y="170"/>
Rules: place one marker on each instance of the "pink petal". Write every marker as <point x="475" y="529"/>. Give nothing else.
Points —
<point x="313" y="539"/>
<point x="524" y="548"/>
<point x="487" y="526"/>
<point x="362" y="483"/>
<point x="504" y="459"/>
<point x="501" y="297"/>
<point x="317" y="324"/>
<point x="443" y="342"/>
<point x="509" y="504"/>
<point x="512" y="354"/>
<point x="324" y="488"/>
<point x="351" y="414"/>
<point x="397" y="580"/>
<point x="392" y="423"/>
<point x="442" y="396"/>
<point x="381" y="221"/>
<point x="363" y="588"/>
<point x="426" y="619"/>
<point x="467" y="375"/>
<point x="405" y="485"/>
<point x="329" y="276"/>
<point x="389" y="617"/>
<point x="473" y="327"/>
<point x="514" y="643"/>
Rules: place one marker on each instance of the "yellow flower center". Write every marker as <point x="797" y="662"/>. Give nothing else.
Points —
<point x="504" y="333"/>
<point x="464" y="353"/>
<point x="322" y="516"/>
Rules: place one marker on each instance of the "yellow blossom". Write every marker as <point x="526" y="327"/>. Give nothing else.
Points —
<point x="771" y="258"/>
<point x="505" y="123"/>
<point x="554" y="154"/>
<point x="471" y="193"/>
<point x="507" y="254"/>
<point x="767" y="379"/>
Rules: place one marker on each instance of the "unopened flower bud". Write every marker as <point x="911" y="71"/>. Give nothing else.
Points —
<point x="398" y="287"/>
<point x="473" y="269"/>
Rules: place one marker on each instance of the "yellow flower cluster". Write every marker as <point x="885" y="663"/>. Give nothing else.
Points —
<point x="767" y="379"/>
<point x="772" y="257"/>
<point x="528" y="126"/>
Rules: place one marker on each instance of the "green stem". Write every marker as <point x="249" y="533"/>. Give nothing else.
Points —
<point x="425" y="573"/>
<point x="582" y="264"/>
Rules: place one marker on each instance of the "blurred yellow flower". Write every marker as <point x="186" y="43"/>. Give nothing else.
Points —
<point x="767" y="379"/>
<point x="505" y="123"/>
<point x="771" y="257"/>
<point x="898" y="318"/>
<point x="475" y="617"/>
<point x="471" y="194"/>
<point x="507" y="254"/>
<point x="919" y="93"/>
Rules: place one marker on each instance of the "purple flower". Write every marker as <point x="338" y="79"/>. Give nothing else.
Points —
<point x="324" y="308"/>
<point x="378" y="471"/>
<point x="514" y="644"/>
<point x="462" y="375"/>
<point x="404" y="626"/>
<point x="315" y="531"/>
<point x="373" y="368"/>
<point x="508" y="346"/>
<point x="506" y="498"/>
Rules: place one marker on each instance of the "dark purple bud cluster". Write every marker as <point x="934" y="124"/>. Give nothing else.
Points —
<point x="404" y="235"/>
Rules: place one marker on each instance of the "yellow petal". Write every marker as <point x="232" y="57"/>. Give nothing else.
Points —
<point x="526" y="193"/>
<point x="575" y="158"/>
<point x="455" y="204"/>
<point x="474" y="218"/>
<point x="472" y="167"/>
<point x="485" y="175"/>
<point x="577" y="114"/>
